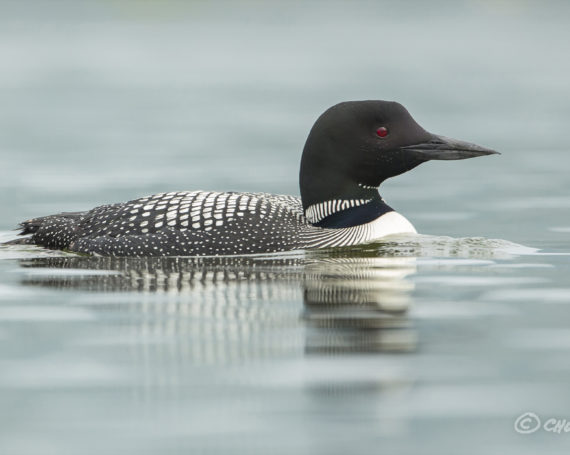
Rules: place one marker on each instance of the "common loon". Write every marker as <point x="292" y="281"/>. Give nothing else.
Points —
<point x="352" y="148"/>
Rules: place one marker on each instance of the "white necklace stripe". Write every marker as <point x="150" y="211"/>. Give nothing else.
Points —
<point x="318" y="212"/>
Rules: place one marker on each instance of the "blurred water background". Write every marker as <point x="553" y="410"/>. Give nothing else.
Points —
<point x="434" y="345"/>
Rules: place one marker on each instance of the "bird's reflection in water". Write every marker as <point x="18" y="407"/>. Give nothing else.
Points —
<point x="358" y="304"/>
<point x="230" y="308"/>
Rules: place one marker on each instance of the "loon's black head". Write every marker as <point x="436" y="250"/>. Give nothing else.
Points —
<point x="354" y="146"/>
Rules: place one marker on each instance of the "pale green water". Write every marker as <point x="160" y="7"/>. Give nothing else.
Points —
<point x="427" y="345"/>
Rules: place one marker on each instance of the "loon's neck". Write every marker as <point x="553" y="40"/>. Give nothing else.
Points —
<point x="327" y="172"/>
<point x="342" y="213"/>
<point x="335" y="193"/>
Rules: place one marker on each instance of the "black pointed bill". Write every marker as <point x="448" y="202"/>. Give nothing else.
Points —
<point x="445" y="148"/>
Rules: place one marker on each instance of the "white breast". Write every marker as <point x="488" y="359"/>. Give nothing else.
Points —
<point x="388" y="224"/>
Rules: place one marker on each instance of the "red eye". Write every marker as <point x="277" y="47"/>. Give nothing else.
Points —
<point x="382" y="131"/>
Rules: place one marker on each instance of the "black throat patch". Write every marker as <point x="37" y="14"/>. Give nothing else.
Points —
<point x="355" y="216"/>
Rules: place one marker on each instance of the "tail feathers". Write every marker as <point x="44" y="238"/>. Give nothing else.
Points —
<point x="32" y="226"/>
<point x="53" y="231"/>
<point x="24" y="241"/>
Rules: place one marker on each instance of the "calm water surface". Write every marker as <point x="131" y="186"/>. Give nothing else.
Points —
<point x="428" y="344"/>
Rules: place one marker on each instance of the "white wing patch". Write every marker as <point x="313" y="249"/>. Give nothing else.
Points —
<point x="194" y="210"/>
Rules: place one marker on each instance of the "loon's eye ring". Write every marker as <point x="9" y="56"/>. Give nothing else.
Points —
<point x="382" y="131"/>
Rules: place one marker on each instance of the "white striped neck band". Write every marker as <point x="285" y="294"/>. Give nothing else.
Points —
<point x="317" y="212"/>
